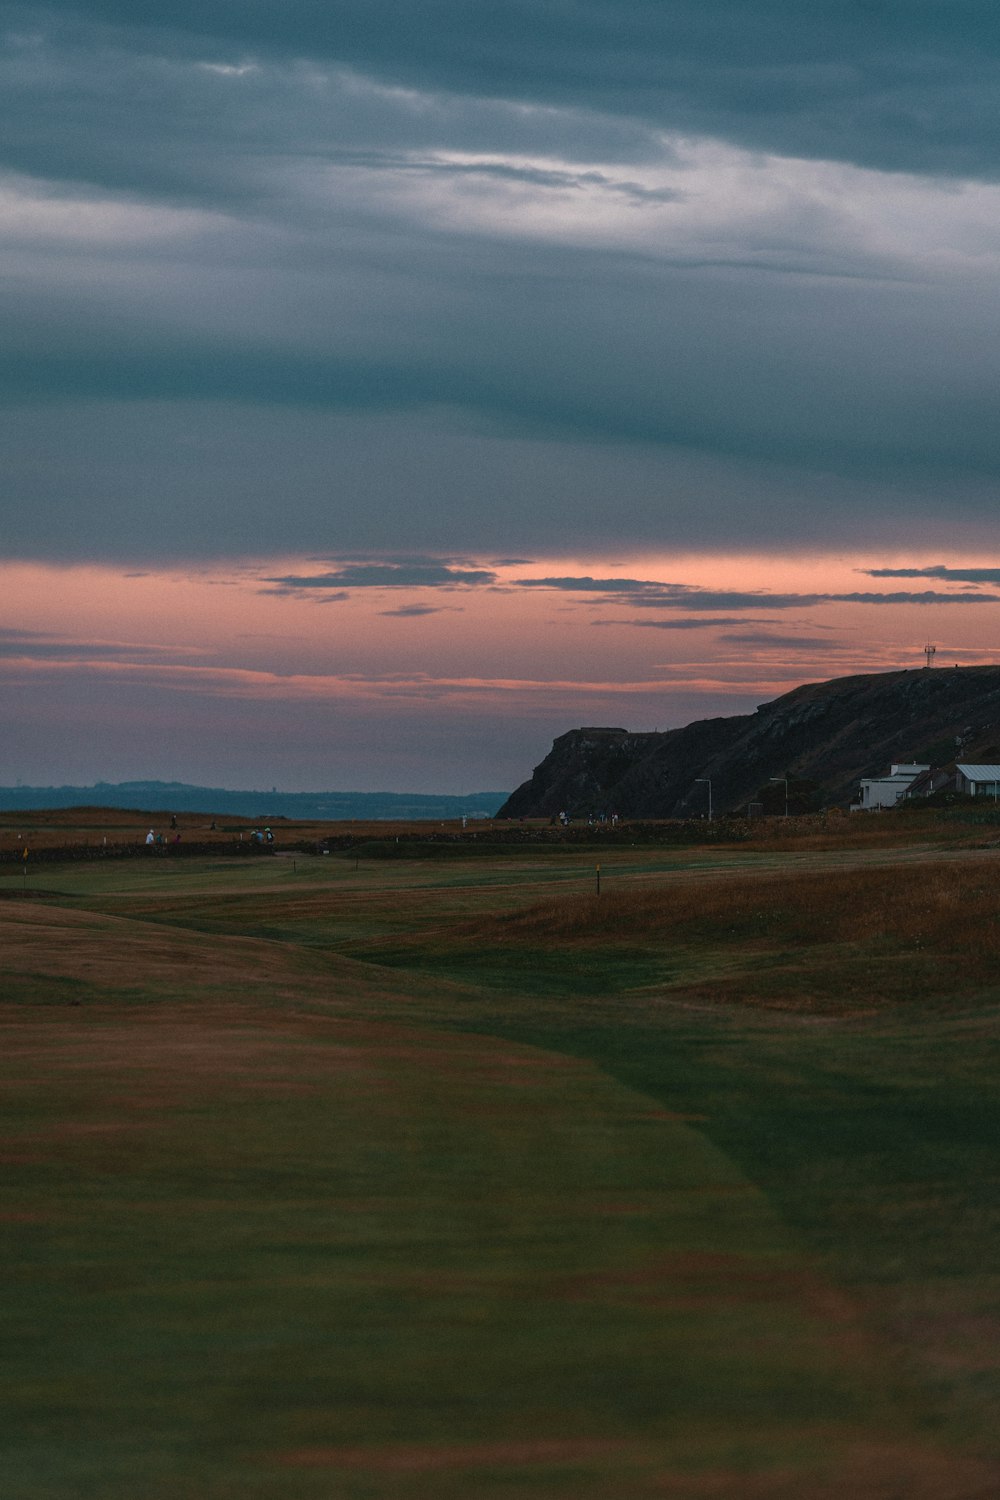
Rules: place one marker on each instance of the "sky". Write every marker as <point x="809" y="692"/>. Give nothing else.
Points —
<point x="387" y="388"/>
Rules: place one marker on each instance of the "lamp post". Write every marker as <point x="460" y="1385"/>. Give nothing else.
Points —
<point x="785" y="780"/>
<point x="708" y="782"/>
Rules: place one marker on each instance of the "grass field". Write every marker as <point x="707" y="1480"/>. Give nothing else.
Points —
<point x="335" y="1177"/>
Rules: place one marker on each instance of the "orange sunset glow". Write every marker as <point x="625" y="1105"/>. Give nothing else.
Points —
<point x="199" y="655"/>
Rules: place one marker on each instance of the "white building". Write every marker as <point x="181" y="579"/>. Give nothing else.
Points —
<point x="977" y="781"/>
<point x="886" y="791"/>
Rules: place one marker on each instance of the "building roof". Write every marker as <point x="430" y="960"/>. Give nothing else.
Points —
<point x="902" y="778"/>
<point x="979" y="773"/>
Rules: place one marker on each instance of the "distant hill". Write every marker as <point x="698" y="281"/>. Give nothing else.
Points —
<point x="178" y="796"/>
<point x="822" y="736"/>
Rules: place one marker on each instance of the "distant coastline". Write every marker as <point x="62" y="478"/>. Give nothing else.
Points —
<point x="179" y="796"/>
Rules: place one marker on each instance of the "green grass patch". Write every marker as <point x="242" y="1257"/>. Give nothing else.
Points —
<point x="536" y="971"/>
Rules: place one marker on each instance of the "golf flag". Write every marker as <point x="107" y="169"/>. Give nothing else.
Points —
<point x="25" y="854"/>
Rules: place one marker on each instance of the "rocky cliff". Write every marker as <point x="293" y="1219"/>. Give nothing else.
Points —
<point x="823" y="737"/>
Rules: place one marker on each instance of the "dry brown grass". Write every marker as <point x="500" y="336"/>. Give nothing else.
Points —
<point x="55" y="955"/>
<point x="946" y="906"/>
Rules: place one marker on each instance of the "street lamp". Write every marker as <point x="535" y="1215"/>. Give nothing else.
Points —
<point x="708" y="782"/>
<point x="785" y="780"/>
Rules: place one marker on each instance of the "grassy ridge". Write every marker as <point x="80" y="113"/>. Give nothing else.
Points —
<point x="832" y="940"/>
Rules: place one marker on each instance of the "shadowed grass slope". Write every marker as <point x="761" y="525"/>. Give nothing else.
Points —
<point x="836" y="940"/>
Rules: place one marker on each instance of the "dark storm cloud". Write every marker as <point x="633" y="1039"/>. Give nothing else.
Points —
<point x="649" y="594"/>
<point x="889" y="83"/>
<point x="958" y="575"/>
<point x="545" y="340"/>
<point x="144" y="112"/>
<point x="465" y="276"/>
<point x="425" y="575"/>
